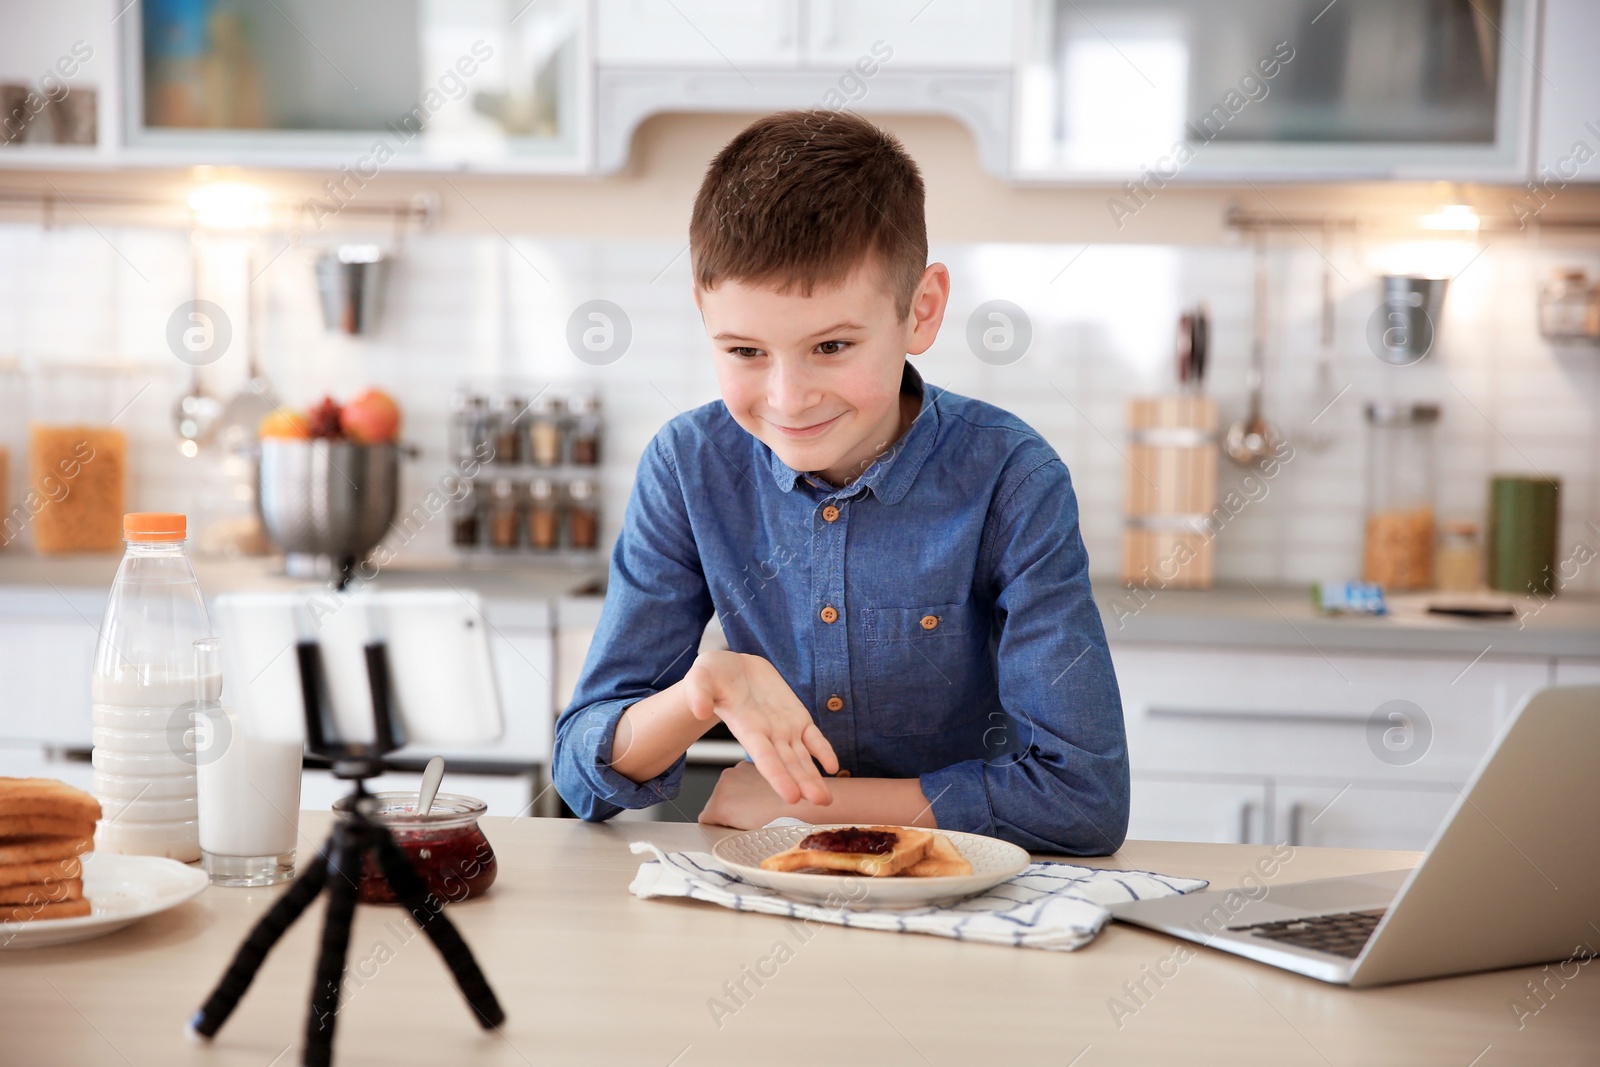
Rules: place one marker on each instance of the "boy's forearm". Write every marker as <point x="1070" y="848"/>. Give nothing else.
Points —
<point x="653" y="733"/>
<point x="891" y="801"/>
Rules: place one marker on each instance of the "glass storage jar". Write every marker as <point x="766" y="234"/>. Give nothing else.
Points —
<point x="505" y="514"/>
<point x="469" y="426"/>
<point x="1398" y="551"/>
<point x="1569" y="308"/>
<point x="508" y="429"/>
<point x="583" y="433"/>
<point x="544" y="517"/>
<point x="583" y="514"/>
<point x="1459" y="566"/>
<point x="466" y="525"/>
<point x="544" y="432"/>
<point x="446" y="846"/>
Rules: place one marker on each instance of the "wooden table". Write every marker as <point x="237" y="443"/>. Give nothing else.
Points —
<point x="591" y="975"/>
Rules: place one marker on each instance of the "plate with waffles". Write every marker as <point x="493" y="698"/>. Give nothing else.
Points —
<point x="862" y="866"/>
<point x="53" y="889"/>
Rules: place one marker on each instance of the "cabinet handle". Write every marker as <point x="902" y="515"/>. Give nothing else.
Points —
<point x="1310" y="718"/>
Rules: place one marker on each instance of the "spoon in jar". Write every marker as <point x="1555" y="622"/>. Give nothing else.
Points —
<point x="432" y="774"/>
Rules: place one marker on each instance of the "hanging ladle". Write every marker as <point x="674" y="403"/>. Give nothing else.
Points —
<point x="1253" y="438"/>
<point x="196" y="411"/>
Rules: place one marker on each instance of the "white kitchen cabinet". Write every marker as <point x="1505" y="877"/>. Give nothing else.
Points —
<point x="1567" y="148"/>
<point x="1280" y="713"/>
<point x="780" y="34"/>
<point x="1359" y="815"/>
<point x="46" y="663"/>
<point x="1298" y="90"/>
<point x="1577" y="672"/>
<point x="1305" y="727"/>
<point x="756" y="34"/>
<point x="39" y="44"/>
<point x="946" y="34"/>
<point x="362" y="84"/>
<point x="948" y="58"/>
<point x="1174" y="808"/>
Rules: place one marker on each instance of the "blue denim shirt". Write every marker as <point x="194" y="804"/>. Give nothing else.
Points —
<point x="964" y="646"/>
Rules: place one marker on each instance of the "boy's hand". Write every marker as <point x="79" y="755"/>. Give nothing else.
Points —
<point x="751" y="697"/>
<point x="742" y="799"/>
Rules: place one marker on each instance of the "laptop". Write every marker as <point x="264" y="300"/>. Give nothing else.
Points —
<point x="1511" y="878"/>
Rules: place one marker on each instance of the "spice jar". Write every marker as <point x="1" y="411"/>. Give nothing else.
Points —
<point x="583" y="514"/>
<point x="505" y="519"/>
<point x="544" y="517"/>
<point x="469" y="426"/>
<point x="465" y="522"/>
<point x="1459" y="565"/>
<point x="1400" y="493"/>
<point x="583" y="433"/>
<point x="1569" y="308"/>
<point x="544" y="433"/>
<point x="446" y="846"/>
<point x="507" y="429"/>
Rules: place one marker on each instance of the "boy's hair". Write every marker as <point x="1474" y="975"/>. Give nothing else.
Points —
<point x="801" y="198"/>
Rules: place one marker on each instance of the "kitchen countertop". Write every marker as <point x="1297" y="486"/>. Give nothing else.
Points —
<point x="1283" y="618"/>
<point x="491" y="577"/>
<point x="589" y="974"/>
<point x="80" y="583"/>
<point x="1252" y="616"/>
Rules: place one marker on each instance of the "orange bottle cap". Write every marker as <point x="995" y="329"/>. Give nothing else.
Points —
<point x="154" y="526"/>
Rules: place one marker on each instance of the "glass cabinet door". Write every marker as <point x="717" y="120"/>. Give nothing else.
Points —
<point x="1289" y="88"/>
<point x="423" y="82"/>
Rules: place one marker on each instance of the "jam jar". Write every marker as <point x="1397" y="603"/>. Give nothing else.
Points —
<point x="446" y="847"/>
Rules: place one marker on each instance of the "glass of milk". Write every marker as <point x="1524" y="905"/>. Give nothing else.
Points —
<point x="249" y="787"/>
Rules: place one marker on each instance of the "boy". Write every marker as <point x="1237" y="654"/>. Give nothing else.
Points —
<point x="897" y="569"/>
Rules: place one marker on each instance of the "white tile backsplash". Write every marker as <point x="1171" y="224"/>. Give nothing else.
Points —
<point x="487" y="309"/>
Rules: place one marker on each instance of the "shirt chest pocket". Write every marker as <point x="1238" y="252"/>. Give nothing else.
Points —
<point x="926" y="668"/>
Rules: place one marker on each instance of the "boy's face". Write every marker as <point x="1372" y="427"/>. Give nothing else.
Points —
<point x="817" y="378"/>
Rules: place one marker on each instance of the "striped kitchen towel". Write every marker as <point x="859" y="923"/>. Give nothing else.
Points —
<point x="1055" y="906"/>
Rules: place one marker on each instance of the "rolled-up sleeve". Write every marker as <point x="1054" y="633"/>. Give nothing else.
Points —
<point x="1064" y="787"/>
<point x="656" y="608"/>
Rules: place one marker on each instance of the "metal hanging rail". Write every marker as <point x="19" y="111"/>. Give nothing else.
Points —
<point x="55" y="204"/>
<point x="1269" y="221"/>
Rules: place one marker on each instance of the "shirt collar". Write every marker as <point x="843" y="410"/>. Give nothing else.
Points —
<point x="891" y="475"/>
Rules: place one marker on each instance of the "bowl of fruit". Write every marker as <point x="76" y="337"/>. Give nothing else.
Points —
<point x="330" y="481"/>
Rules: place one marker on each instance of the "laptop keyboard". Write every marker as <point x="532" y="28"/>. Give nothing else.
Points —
<point x="1343" y="934"/>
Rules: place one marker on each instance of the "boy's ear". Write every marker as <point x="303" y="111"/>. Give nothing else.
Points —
<point x="927" y="308"/>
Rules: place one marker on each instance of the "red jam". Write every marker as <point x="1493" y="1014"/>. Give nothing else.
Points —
<point x="852" y="839"/>
<point x="454" y="864"/>
<point x="447" y="848"/>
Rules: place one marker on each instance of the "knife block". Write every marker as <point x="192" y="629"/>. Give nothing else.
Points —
<point x="1167" y="537"/>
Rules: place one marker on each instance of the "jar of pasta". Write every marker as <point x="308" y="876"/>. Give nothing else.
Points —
<point x="1398" y="553"/>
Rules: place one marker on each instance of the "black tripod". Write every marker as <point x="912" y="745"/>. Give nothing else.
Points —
<point x="338" y="868"/>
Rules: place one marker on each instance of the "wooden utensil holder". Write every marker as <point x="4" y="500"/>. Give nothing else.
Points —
<point x="1171" y="492"/>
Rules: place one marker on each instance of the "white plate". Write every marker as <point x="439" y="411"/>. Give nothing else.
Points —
<point x="121" y="890"/>
<point x="993" y="861"/>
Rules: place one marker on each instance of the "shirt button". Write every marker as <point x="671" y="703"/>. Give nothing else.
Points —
<point x="835" y="704"/>
<point x="830" y="513"/>
<point x="830" y="614"/>
<point x="930" y="621"/>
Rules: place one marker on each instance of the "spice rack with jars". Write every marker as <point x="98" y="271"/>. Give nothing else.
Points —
<point x="536" y="491"/>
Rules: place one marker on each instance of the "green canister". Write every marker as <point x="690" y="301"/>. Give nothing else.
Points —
<point x="1524" y="517"/>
